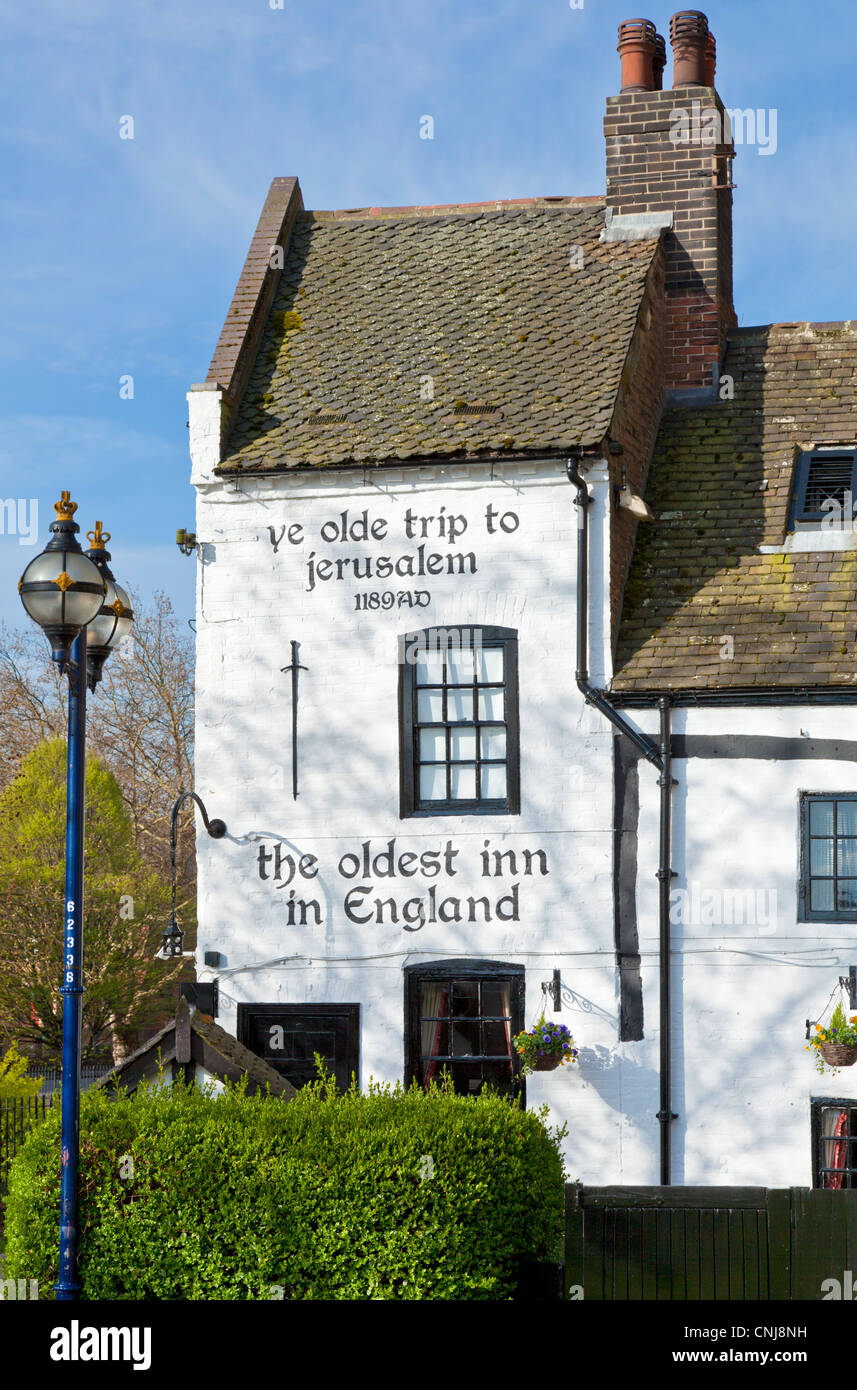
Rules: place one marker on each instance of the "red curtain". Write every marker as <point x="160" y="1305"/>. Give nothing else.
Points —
<point x="433" y="1002"/>
<point x="838" y="1158"/>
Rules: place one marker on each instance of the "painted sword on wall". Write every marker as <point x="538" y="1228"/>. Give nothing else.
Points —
<point x="294" y="667"/>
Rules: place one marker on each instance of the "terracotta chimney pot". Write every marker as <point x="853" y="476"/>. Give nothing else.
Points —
<point x="660" y="61"/>
<point x="689" y="39"/>
<point x="710" y="60"/>
<point x="637" y="45"/>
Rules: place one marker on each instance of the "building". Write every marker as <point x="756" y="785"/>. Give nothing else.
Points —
<point x="526" y="650"/>
<point x="193" y="1048"/>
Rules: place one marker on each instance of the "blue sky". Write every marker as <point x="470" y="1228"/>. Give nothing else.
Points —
<point x="120" y="256"/>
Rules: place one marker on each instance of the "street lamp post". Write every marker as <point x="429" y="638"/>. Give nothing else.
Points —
<point x="84" y="614"/>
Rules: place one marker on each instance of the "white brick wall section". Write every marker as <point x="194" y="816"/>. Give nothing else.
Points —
<point x="204" y="403"/>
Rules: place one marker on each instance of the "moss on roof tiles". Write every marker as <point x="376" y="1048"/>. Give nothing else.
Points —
<point x="400" y="319"/>
<point x="720" y="485"/>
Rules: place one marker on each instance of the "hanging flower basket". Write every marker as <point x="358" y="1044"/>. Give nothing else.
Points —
<point x="552" y="1060"/>
<point x="545" y="1047"/>
<point x="835" y="1043"/>
<point x="838" y="1054"/>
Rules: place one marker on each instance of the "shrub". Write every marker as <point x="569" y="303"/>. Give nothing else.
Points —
<point x="390" y="1194"/>
<point x="14" y="1082"/>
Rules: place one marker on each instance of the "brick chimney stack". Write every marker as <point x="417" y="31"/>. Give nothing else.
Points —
<point x="669" y="164"/>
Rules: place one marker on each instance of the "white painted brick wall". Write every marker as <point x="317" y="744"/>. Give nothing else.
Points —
<point x="742" y="1081"/>
<point x="252" y="602"/>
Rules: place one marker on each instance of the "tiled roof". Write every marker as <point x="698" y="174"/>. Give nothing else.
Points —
<point x="411" y="335"/>
<point x="720" y="486"/>
<point x="208" y="1044"/>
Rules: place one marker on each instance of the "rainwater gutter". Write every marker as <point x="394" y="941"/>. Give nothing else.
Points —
<point x="660" y="757"/>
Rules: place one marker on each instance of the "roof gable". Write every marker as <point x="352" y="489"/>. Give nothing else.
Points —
<point x="193" y="1039"/>
<point x="402" y="336"/>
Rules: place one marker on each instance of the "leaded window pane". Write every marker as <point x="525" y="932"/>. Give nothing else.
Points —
<point x="459" y="706"/>
<point x="460" y="666"/>
<point x="465" y="997"/>
<point x="430" y="668"/>
<point x="846" y="894"/>
<point x="493" y="781"/>
<point x="465" y="1037"/>
<point x="846" y="818"/>
<point x="433" y="783"/>
<point x="821" y="857"/>
<point x="463" y="783"/>
<point x="821" y="818"/>
<point x="491" y="704"/>
<point x="432" y="745"/>
<point x="493" y="742"/>
<point x="490" y="666"/>
<point x="494" y="1039"/>
<point x="462" y="745"/>
<point x="430" y="706"/>
<point x="494" y="1000"/>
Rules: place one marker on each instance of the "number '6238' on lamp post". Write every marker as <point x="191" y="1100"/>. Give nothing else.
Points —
<point x="84" y="614"/>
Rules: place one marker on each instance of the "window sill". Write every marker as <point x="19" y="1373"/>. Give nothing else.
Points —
<point x="809" y="539"/>
<point x="457" y="810"/>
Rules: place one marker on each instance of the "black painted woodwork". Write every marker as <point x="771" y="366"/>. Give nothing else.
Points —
<point x="333" y="1030"/>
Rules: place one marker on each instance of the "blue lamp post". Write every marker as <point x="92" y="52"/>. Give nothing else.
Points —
<point x="84" y="614"/>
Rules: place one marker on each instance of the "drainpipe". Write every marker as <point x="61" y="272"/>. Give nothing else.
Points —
<point x="592" y="696"/>
<point x="659" y="758"/>
<point x="666" y="782"/>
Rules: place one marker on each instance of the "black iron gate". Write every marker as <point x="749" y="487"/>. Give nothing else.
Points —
<point x="690" y="1243"/>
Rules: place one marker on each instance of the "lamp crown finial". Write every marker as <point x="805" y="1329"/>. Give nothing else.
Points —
<point x="98" y="538"/>
<point x="65" y="508"/>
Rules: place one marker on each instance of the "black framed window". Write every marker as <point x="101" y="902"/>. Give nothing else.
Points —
<point x="824" y="477"/>
<point x="287" y="1036"/>
<point x="458" y="721"/>
<point x="834" y="1143"/>
<point x="828" y="883"/>
<point x="461" y="1015"/>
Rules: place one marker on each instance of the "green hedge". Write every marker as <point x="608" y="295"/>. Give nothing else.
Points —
<point x="324" y="1197"/>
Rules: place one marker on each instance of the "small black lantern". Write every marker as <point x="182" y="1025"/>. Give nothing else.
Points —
<point x="173" y="939"/>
